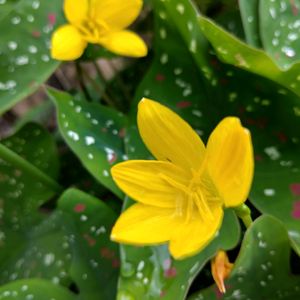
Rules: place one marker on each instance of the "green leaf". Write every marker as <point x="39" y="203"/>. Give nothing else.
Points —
<point x="28" y="169"/>
<point x="250" y="18"/>
<point x="95" y="259"/>
<point x="34" y="289"/>
<point x="279" y="23"/>
<point x="233" y="51"/>
<point x="25" y="60"/>
<point x="276" y="187"/>
<point x="94" y="133"/>
<point x="41" y="251"/>
<point x="184" y="16"/>
<point x="262" y="269"/>
<point x="28" y="244"/>
<point x="6" y="6"/>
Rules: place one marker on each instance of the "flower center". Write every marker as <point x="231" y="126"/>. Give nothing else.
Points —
<point x="199" y="197"/>
<point x="92" y="30"/>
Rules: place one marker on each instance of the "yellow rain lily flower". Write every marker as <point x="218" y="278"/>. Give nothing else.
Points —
<point x="99" y="22"/>
<point x="181" y="196"/>
<point x="221" y="269"/>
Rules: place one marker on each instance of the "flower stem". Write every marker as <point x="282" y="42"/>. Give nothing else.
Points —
<point x="16" y="160"/>
<point x="244" y="213"/>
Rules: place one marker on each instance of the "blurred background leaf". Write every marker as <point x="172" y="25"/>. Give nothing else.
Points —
<point x="25" y="63"/>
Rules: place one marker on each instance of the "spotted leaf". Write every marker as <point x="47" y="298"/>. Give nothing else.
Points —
<point x="235" y="52"/>
<point x="42" y="250"/>
<point x="30" y="289"/>
<point x="263" y="263"/>
<point x="276" y="185"/>
<point x="7" y="6"/>
<point x="279" y="30"/>
<point x="94" y="133"/>
<point x="95" y="259"/>
<point x="28" y="169"/>
<point x="24" y="47"/>
<point x="28" y="243"/>
<point x="250" y="19"/>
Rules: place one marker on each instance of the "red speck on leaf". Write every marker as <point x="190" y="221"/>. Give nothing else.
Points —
<point x="184" y="104"/>
<point x="295" y="189"/>
<point x="89" y="239"/>
<point x="282" y="137"/>
<point x="104" y="129"/>
<point x="294" y="8"/>
<point x="80" y="207"/>
<point x="112" y="158"/>
<point x="122" y="132"/>
<point x="162" y="294"/>
<point x="260" y="123"/>
<point x="115" y="263"/>
<point x="296" y="214"/>
<point x="296" y="210"/>
<point x="107" y="253"/>
<point x="160" y="77"/>
<point x="52" y="19"/>
<point x="36" y="33"/>
<point x="170" y="273"/>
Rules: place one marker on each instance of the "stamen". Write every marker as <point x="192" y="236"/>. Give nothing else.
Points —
<point x="198" y="173"/>
<point x="101" y="24"/>
<point x="174" y="183"/>
<point x="208" y="185"/>
<point x="202" y="205"/>
<point x="87" y="32"/>
<point x="189" y="208"/>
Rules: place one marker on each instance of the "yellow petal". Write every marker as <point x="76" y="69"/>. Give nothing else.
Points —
<point x="124" y="43"/>
<point x="168" y="137"/>
<point x="191" y="237"/>
<point x="151" y="182"/>
<point x="67" y="43"/>
<point x="117" y="14"/>
<point x="230" y="160"/>
<point x="144" y="225"/>
<point x="220" y="269"/>
<point x="76" y="11"/>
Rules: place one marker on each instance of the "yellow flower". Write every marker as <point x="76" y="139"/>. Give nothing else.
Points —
<point x="181" y="195"/>
<point x="99" y="22"/>
<point x="221" y="269"/>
